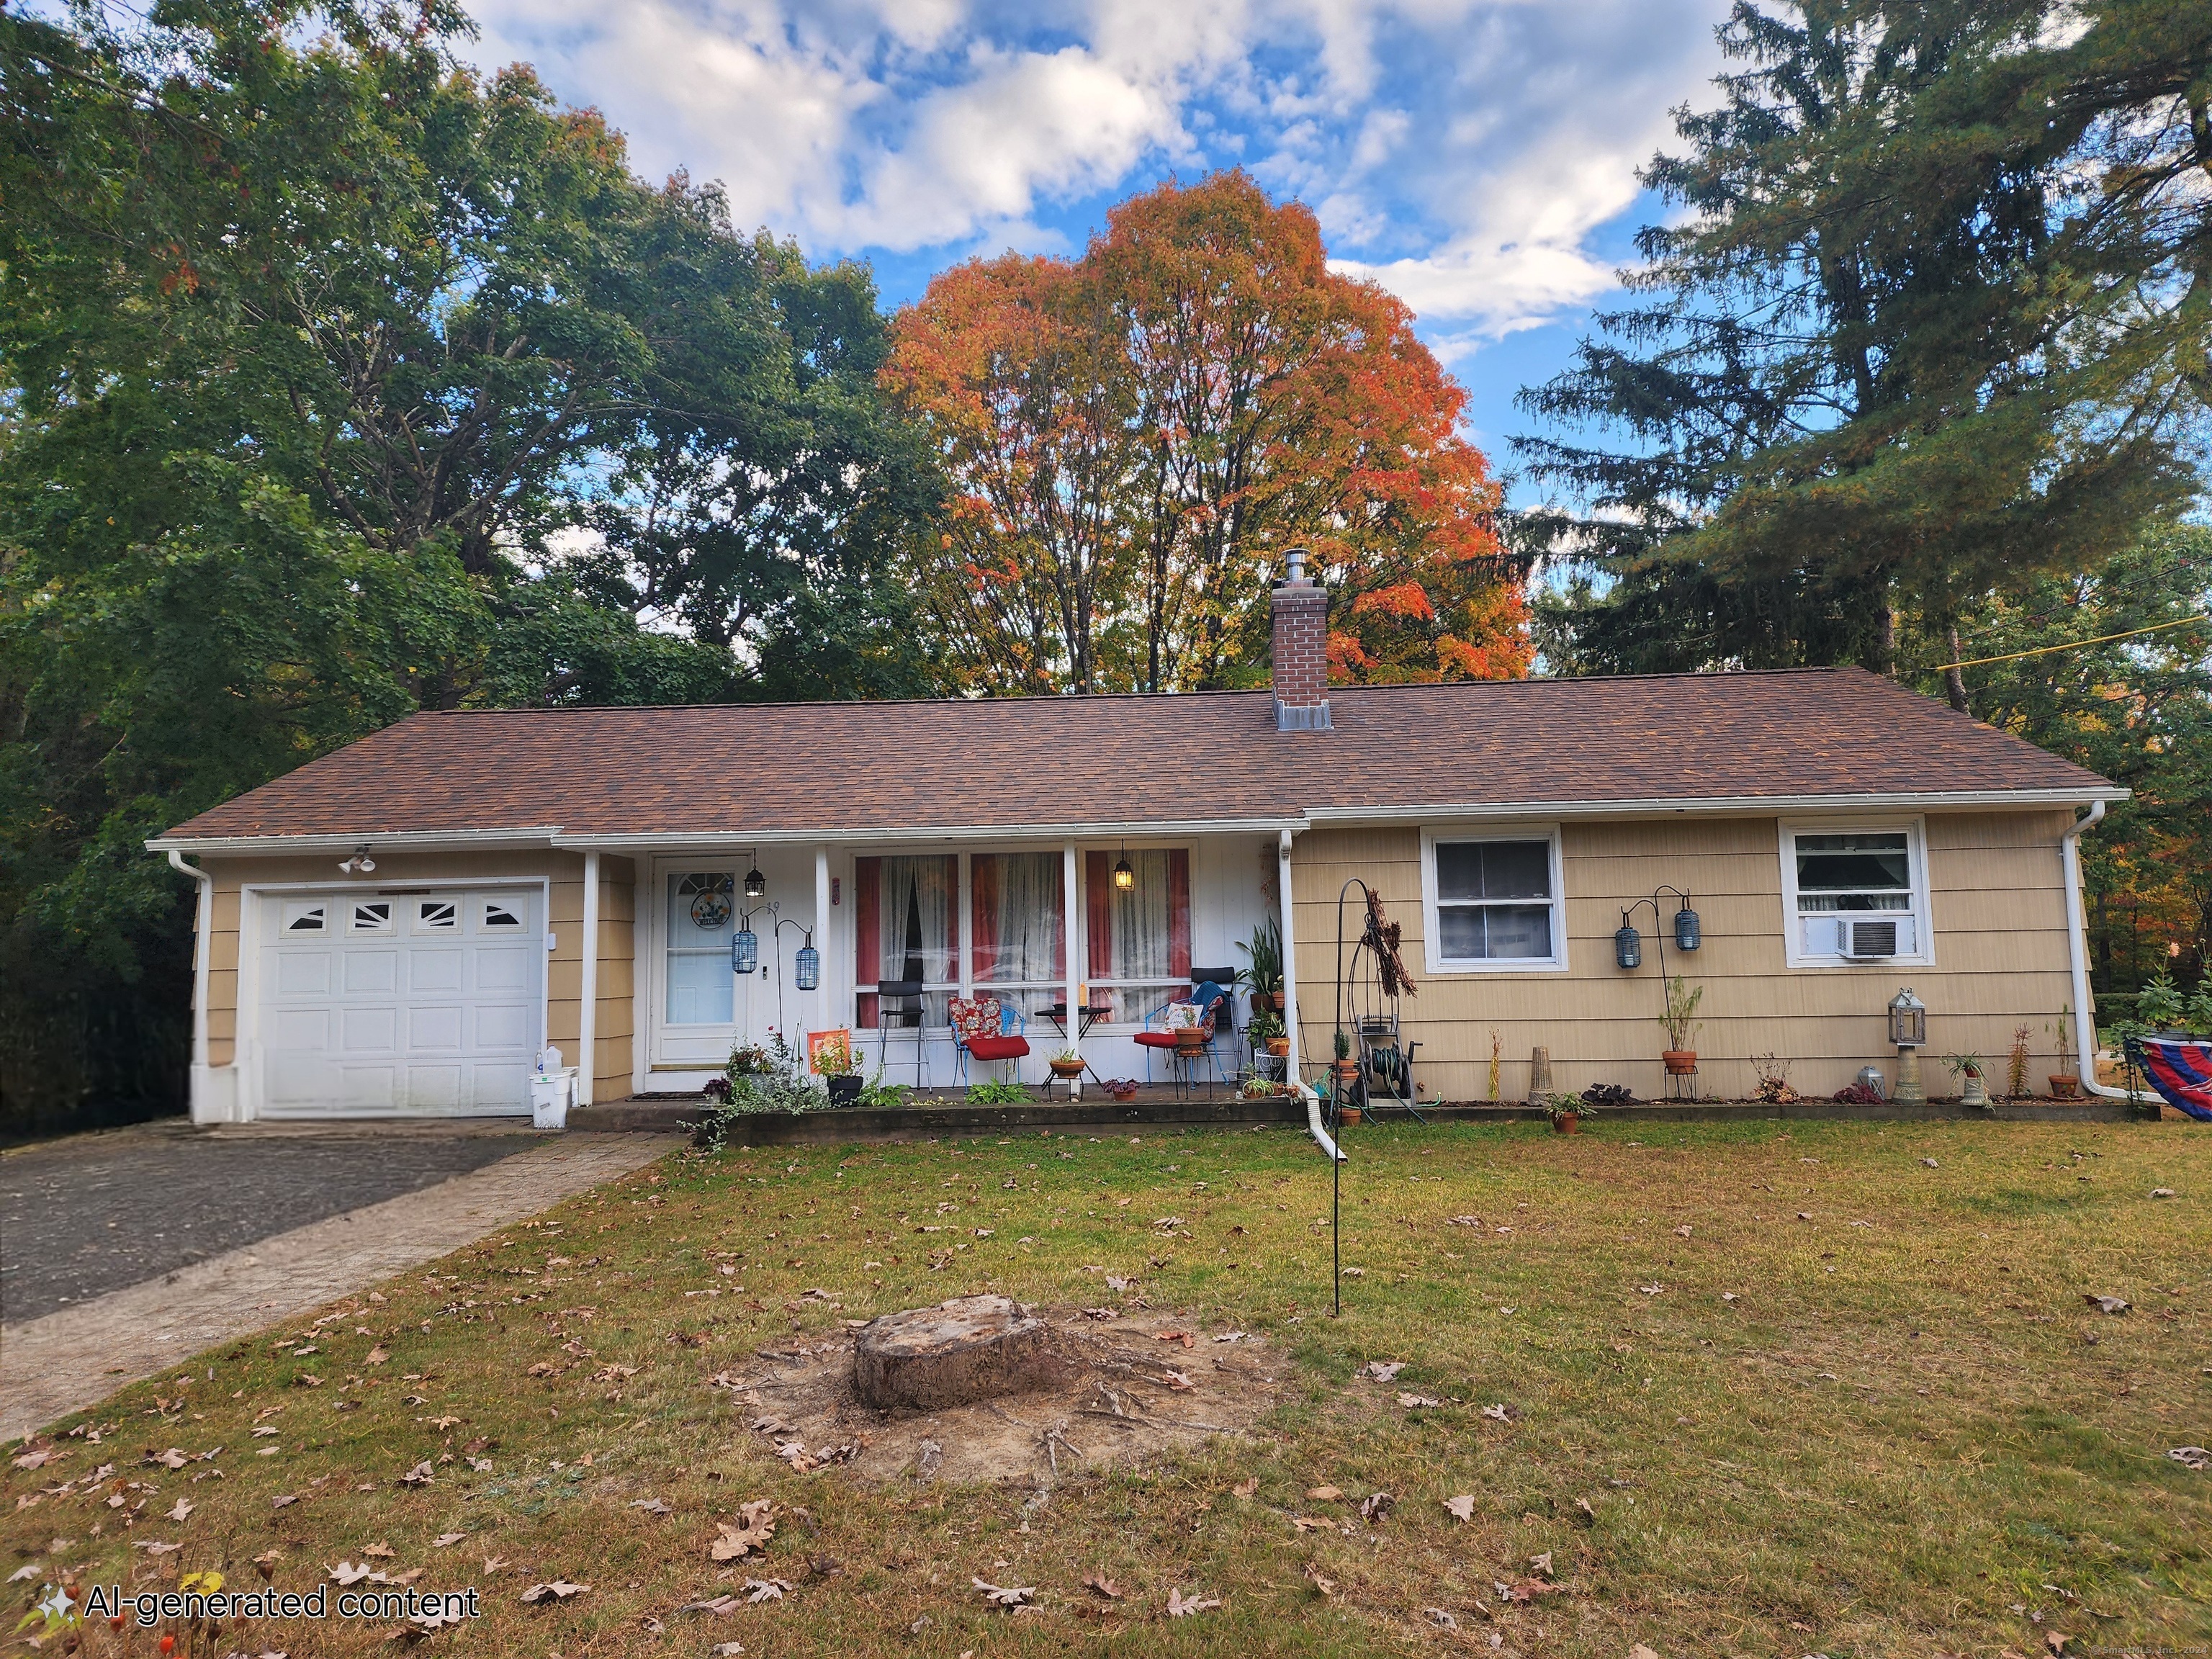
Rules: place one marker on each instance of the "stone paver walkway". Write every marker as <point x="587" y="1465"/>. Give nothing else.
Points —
<point x="63" y="1362"/>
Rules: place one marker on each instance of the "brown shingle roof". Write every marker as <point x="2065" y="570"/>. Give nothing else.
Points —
<point x="1014" y="762"/>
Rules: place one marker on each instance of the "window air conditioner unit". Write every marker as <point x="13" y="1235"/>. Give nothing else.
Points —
<point x="1869" y="939"/>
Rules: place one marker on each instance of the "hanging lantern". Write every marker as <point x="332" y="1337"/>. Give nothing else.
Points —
<point x="1687" y="935"/>
<point x="756" y="883"/>
<point x="809" y="969"/>
<point x="744" y="951"/>
<point x="1628" y="947"/>
<point x="1125" y="879"/>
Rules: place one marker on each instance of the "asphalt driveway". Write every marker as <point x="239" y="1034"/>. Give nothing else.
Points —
<point x="96" y="1213"/>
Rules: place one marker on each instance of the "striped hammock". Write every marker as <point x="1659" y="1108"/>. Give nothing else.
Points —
<point x="2181" y="1069"/>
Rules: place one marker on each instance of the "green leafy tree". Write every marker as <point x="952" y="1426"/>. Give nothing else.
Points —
<point x="1932" y="324"/>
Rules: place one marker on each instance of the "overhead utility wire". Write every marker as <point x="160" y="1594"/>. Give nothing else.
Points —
<point x="2073" y="645"/>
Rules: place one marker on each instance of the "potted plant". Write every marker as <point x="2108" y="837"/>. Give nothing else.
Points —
<point x="1347" y="1068"/>
<point x="840" y="1068"/>
<point x="1973" y="1088"/>
<point x="1066" y="1065"/>
<point x="1683" y="1026"/>
<point x="1268" y="1032"/>
<point x="1121" y="1088"/>
<point x="2065" y="1082"/>
<point x="1566" y="1113"/>
<point x="1264" y="977"/>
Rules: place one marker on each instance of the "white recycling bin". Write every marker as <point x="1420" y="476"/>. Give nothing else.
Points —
<point x="551" y="1095"/>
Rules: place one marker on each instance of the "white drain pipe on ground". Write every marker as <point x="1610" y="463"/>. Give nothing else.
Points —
<point x="2077" y="956"/>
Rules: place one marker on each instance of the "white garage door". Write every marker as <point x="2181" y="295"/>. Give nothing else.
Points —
<point x="428" y="1002"/>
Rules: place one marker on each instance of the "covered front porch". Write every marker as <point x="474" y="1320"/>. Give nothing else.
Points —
<point x="738" y="945"/>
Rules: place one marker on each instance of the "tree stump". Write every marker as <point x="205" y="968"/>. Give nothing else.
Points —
<point x="973" y="1347"/>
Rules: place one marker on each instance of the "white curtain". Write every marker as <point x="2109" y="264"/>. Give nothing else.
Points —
<point x="1023" y="931"/>
<point x="923" y="885"/>
<point x="1142" y="920"/>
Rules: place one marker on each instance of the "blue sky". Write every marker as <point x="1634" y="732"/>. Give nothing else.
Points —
<point x="1475" y="156"/>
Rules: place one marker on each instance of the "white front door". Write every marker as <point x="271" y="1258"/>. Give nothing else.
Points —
<point x="703" y="1007"/>
<point x="428" y="1001"/>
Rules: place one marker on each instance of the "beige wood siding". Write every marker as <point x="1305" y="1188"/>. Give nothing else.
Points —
<point x="618" y="1004"/>
<point x="1999" y="940"/>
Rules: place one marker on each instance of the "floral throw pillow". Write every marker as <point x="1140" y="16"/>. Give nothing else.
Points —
<point x="974" y="1017"/>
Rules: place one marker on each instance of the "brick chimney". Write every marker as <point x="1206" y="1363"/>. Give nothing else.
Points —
<point x="1300" y="651"/>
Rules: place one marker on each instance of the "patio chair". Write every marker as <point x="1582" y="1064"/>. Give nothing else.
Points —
<point x="1181" y="1014"/>
<point x="898" y="1007"/>
<point x="989" y="1030"/>
<point x="1224" y="981"/>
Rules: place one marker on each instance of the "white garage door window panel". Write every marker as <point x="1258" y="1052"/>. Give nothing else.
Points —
<point x="423" y="1004"/>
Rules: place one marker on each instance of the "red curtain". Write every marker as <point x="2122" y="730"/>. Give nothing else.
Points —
<point x="983" y="913"/>
<point x="1179" y="912"/>
<point x="867" y="946"/>
<point x="1098" y="912"/>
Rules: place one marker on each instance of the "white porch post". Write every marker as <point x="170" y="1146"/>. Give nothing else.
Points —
<point x="1290" y="957"/>
<point x="587" y="1015"/>
<point x="1069" y="910"/>
<point x="822" y="938"/>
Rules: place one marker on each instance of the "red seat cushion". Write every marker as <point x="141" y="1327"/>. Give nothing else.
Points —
<point x="998" y="1048"/>
<point x="1157" y="1039"/>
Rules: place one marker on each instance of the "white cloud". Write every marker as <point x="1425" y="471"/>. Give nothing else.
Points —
<point x="1461" y="151"/>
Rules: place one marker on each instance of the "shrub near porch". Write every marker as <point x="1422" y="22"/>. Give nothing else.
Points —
<point x="1817" y="1392"/>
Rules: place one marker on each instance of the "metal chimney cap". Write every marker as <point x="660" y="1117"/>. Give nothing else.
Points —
<point x="1294" y="569"/>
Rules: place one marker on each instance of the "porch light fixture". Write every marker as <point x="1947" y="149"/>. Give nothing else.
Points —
<point x="1688" y="934"/>
<point x="744" y="949"/>
<point x="1125" y="879"/>
<point x="807" y="971"/>
<point x="360" y="863"/>
<point x="1627" y="945"/>
<point x="756" y="883"/>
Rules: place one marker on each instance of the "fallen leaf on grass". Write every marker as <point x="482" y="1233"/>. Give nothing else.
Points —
<point x="380" y="1550"/>
<point x="717" y="1606"/>
<point x="1440" y="1619"/>
<point x="1681" y="1233"/>
<point x="1500" y="1412"/>
<point x="751" y="1531"/>
<point x="282" y="1498"/>
<point x="1323" y="1494"/>
<point x="1307" y="1523"/>
<point x="1584" y="1513"/>
<point x="154" y="1546"/>
<point x="651" y="1506"/>
<point x="1326" y="1586"/>
<point x="1639" y="1651"/>
<point x="765" y="1590"/>
<point x="1247" y="1488"/>
<point x="2107" y="1304"/>
<point x="1101" y="1313"/>
<point x="1178" y="1381"/>
<point x="558" y="1589"/>
<point x="347" y="1573"/>
<point x="37" y="1458"/>
<point x="421" y="1475"/>
<point x="184" y="1507"/>
<point x="1102" y="1585"/>
<point x="1522" y="1591"/>
<point x="1230" y="1336"/>
<point x="2162" y="1192"/>
<point x="1374" y="1506"/>
<point x="376" y="1357"/>
<point x="1004" y="1595"/>
<point x="28" y="1570"/>
<point x="1463" y="1507"/>
<point x="173" y="1458"/>
<point x="1542" y="1565"/>
<point x="2191" y="1457"/>
<point x="447" y="1540"/>
<point x="1183" y="1337"/>
<point x="1179" y="1608"/>
<point x="1412" y="1401"/>
<point x="494" y="1564"/>
<point x="726" y="1650"/>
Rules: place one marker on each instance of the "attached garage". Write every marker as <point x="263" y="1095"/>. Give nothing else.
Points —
<point x="428" y="999"/>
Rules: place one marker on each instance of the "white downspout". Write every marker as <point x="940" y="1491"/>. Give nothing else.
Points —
<point x="1071" y="938"/>
<point x="2077" y="954"/>
<point x="203" y="955"/>
<point x="1298" y="1085"/>
<point x="587" y="1017"/>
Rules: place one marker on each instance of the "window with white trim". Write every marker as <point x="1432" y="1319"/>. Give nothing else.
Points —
<point x="300" y="918"/>
<point x="501" y="915"/>
<point x="437" y="915"/>
<point x="1493" y="902"/>
<point x="370" y="917"/>
<point x="1854" y="893"/>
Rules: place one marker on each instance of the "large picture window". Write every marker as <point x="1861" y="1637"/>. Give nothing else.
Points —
<point x="1854" y="893"/>
<point x="1016" y="921"/>
<point x="1139" y="936"/>
<point x="1493" y="902"/>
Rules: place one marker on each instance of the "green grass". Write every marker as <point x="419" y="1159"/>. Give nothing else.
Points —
<point x="1895" y="1433"/>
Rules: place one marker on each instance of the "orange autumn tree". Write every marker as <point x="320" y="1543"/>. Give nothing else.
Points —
<point x="1135" y="437"/>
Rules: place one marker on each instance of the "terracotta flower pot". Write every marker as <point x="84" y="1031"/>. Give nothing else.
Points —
<point x="1278" y="1046"/>
<point x="2064" y="1085"/>
<point x="1347" y="1070"/>
<point x="1064" y="1069"/>
<point x="1350" y="1115"/>
<point x="1266" y="1002"/>
<point x="1567" y="1123"/>
<point x="1680" y="1062"/>
<point x="1189" y="1040"/>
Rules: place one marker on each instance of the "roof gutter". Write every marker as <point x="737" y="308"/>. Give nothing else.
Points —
<point x="1715" y="805"/>
<point x="422" y="841"/>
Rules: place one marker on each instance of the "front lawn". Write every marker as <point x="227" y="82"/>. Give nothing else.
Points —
<point x="1828" y="1389"/>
